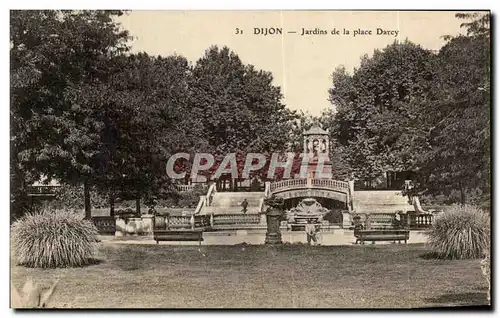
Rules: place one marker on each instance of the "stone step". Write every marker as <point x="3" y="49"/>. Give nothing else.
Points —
<point x="234" y="199"/>
<point x="228" y="210"/>
<point x="380" y="202"/>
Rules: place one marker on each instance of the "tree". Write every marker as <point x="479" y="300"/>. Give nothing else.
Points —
<point x="457" y="115"/>
<point x="373" y="122"/>
<point x="237" y="105"/>
<point x="53" y="54"/>
<point x="409" y="109"/>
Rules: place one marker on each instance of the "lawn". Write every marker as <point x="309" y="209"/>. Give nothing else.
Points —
<point x="287" y="276"/>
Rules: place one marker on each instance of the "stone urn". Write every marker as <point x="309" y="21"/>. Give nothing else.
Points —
<point x="273" y="219"/>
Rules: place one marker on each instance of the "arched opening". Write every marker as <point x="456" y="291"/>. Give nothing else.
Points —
<point x="335" y="207"/>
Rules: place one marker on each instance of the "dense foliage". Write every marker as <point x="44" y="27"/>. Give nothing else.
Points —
<point x="86" y="112"/>
<point x="408" y="108"/>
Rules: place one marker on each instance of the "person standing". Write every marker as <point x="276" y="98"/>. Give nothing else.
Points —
<point x="368" y="222"/>
<point x="311" y="232"/>
<point x="397" y="221"/>
<point x="244" y="204"/>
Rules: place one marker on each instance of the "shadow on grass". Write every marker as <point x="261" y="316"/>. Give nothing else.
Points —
<point x="460" y="299"/>
<point x="430" y="255"/>
<point x="92" y="262"/>
<point x="88" y="263"/>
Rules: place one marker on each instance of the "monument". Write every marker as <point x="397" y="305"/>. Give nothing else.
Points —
<point x="316" y="146"/>
<point x="308" y="210"/>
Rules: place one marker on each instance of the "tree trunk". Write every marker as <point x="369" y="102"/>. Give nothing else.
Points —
<point x="138" y="206"/>
<point x="111" y="205"/>
<point x="86" y="195"/>
<point x="462" y="195"/>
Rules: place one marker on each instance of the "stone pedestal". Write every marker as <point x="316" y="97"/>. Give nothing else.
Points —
<point x="120" y="226"/>
<point x="263" y="219"/>
<point x="346" y="219"/>
<point x="273" y="234"/>
<point x="147" y="223"/>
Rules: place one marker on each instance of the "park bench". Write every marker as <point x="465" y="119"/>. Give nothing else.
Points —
<point x="381" y="235"/>
<point x="178" y="235"/>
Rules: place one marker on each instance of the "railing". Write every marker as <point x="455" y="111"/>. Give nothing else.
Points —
<point x="418" y="221"/>
<point x="201" y="204"/>
<point x="267" y="189"/>
<point x="308" y="183"/>
<point x="378" y="220"/>
<point x="235" y="219"/>
<point x="210" y="194"/>
<point x="42" y="190"/>
<point x="327" y="183"/>
<point x="409" y="220"/>
<point x="105" y="224"/>
<point x="292" y="183"/>
<point x="182" y="222"/>
<point x="185" y="187"/>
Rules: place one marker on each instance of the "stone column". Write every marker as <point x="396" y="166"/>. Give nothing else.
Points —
<point x="273" y="235"/>
<point x="351" y="195"/>
<point x="120" y="226"/>
<point x="346" y="219"/>
<point x="148" y="223"/>
<point x="191" y="222"/>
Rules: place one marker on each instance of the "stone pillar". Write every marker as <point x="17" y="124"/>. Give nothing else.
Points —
<point x="273" y="234"/>
<point x="346" y="219"/>
<point x="148" y="223"/>
<point x="120" y="226"/>
<point x="191" y="222"/>
<point x="350" y="204"/>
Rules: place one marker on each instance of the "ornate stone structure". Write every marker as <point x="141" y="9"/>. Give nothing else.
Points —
<point x="316" y="145"/>
<point x="307" y="209"/>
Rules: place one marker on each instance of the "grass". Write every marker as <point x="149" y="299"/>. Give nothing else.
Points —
<point x="287" y="276"/>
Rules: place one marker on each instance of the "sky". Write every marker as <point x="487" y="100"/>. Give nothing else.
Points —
<point x="301" y="64"/>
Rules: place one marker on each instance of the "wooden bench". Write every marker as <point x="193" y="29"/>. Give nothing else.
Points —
<point x="178" y="235"/>
<point x="381" y="235"/>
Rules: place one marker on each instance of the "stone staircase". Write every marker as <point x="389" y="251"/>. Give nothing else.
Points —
<point x="230" y="203"/>
<point x="382" y="201"/>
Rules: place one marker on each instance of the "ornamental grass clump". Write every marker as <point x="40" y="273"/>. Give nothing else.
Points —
<point x="53" y="238"/>
<point x="462" y="232"/>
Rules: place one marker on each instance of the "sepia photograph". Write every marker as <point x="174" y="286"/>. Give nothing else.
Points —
<point x="250" y="159"/>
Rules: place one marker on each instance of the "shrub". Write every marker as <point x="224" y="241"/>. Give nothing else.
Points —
<point x="72" y="197"/>
<point x="462" y="232"/>
<point x="188" y="199"/>
<point x="53" y="238"/>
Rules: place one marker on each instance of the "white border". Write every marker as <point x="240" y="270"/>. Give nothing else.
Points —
<point x="203" y="5"/>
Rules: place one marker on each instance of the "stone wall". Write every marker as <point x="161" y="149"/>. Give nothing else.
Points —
<point x="135" y="226"/>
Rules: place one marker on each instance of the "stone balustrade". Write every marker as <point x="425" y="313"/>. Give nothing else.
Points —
<point x="185" y="187"/>
<point x="106" y="225"/>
